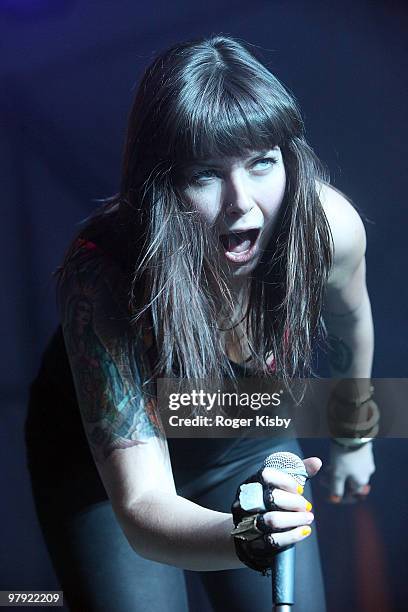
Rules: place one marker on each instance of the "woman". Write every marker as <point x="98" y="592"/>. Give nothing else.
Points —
<point x="220" y="256"/>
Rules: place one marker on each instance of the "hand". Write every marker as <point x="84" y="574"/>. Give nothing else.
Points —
<point x="285" y="521"/>
<point x="349" y="473"/>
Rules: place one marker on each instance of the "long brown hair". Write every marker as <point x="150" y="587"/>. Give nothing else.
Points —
<point x="206" y="98"/>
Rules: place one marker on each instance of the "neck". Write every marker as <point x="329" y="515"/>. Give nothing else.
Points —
<point x="239" y="296"/>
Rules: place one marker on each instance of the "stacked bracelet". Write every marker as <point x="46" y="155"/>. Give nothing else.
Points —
<point x="351" y="443"/>
<point x="361" y="423"/>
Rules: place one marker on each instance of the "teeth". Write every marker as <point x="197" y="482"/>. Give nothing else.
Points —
<point x="243" y="231"/>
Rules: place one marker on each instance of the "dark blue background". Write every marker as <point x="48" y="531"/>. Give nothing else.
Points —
<point x="68" y="73"/>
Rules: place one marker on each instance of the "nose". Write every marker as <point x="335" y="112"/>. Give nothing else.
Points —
<point x="237" y="201"/>
<point x="233" y="210"/>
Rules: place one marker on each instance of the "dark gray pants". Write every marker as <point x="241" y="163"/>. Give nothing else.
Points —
<point x="99" y="571"/>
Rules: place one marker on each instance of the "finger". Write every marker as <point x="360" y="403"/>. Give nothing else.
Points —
<point x="312" y="465"/>
<point x="363" y="492"/>
<point x="358" y="488"/>
<point x="354" y="485"/>
<point x="290" y="501"/>
<point x="337" y="485"/>
<point x="335" y="499"/>
<point x="285" y="520"/>
<point x="286" y="538"/>
<point x="281" y="480"/>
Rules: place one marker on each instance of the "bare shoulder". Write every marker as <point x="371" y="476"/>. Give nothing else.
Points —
<point x="347" y="228"/>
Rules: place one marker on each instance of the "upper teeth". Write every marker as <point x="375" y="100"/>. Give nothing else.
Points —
<point x="241" y="231"/>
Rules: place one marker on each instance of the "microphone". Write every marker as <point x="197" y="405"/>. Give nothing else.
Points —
<point x="283" y="569"/>
<point x="252" y="498"/>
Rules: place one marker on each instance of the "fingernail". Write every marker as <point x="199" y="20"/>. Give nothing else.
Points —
<point x="300" y="489"/>
<point x="308" y="506"/>
<point x="306" y="531"/>
<point x="335" y="499"/>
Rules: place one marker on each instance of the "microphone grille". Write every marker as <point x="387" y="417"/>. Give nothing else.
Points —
<point x="289" y="463"/>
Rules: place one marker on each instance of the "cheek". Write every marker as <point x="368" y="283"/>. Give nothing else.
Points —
<point x="273" y="193"/>
<point x="206" y="203"/>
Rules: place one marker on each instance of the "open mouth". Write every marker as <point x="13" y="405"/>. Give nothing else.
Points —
<point x="240" y="246"/>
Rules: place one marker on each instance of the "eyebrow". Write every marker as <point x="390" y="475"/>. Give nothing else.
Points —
<point x="215" y="162"/>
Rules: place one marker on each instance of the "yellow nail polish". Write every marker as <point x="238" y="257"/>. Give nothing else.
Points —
<point x="306" y="531"/>
<point x="300" y="489"/>
<point x="308" y="506"/>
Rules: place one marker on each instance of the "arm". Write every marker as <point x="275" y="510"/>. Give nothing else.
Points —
<point x="107" y="360"/>
<point x="347" y="310"/>
<point x="348" y="319"/>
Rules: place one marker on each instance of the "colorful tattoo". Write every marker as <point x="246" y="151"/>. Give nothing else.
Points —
<point x="108" y="360"/>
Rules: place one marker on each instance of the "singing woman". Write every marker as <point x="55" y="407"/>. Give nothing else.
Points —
<point x="226" y="252"/>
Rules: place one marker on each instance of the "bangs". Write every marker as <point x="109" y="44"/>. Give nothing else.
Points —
<point x="227" y="123"/>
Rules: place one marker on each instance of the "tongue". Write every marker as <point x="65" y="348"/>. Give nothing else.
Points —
<point x="238" y="243"/>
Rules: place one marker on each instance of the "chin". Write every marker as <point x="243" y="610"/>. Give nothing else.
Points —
<point x="243" y="270"/>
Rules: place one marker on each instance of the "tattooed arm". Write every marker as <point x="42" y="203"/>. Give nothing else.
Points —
<point x="348" y="319"/>
<point x="109" y="365"/>
<point x="347" y="310"/>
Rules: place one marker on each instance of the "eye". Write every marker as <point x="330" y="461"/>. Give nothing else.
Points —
<point x="201" y="177"/>
<point x="264" y="163"/>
